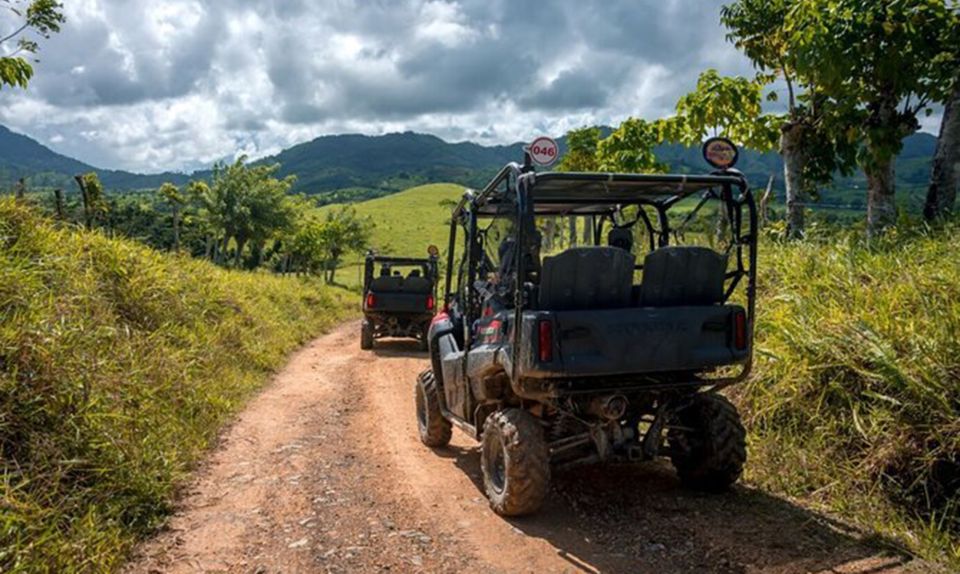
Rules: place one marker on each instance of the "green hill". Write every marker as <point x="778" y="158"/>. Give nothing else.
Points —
<point x="118" y="364"/>
<point x="406" y="223"/>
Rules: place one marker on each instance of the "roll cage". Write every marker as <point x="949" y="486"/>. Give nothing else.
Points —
<point x="518" y="191"/>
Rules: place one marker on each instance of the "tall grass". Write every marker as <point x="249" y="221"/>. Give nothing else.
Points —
<point x="855" y="401"/>
<point x="117" y="366"/>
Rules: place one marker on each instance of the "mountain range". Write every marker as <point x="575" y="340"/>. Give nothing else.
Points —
<point x="353" y="166"/>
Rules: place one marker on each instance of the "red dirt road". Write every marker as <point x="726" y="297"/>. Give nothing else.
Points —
<point x="324" y="473"/>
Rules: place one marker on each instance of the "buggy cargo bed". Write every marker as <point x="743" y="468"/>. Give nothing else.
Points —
<point x="633" y="340"/>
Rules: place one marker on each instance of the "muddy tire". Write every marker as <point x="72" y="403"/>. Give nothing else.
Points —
<point x="366" y="335"/>
<point x="434" y="430"/>
<point x="711" y="455"/>
<point x="515" y="462"/>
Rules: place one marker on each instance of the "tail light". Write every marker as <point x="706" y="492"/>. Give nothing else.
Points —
<point x="430" y="302"/>
<point x="371" y="301"/>
<point x="740" y="330"/>
<point x="545" y="329"/>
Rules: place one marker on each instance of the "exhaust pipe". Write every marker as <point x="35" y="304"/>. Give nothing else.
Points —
<point x="610" y="407"/>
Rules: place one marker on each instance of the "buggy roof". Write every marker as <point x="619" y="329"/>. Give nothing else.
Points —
<point x="597" y="193"/>
<point x="399" y="260"/>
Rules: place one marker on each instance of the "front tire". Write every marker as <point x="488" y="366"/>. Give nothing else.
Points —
<point x="710" y="456"/>
<point x="434" y="430"/>
<point x="515" y="462"/>
<point x="366" y="335"/>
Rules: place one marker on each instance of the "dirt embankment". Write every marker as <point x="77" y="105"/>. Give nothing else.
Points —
<point x="324" y="473"/>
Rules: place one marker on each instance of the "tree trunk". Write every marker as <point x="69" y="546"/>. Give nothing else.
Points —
<point x="21" y="189"/>
<point x="176" y="228"/>
<point x="572" y="221"/>
<point x="208" y="248"/>
<point x="549" y="228"/>
<point x="794" y="160"/>
<point x="945" y="176"/>
<point x="87" y="216"/>
<point x="588" y="230"/>
<point x="332" y="269"/>
<point x="58" y="203"/>
<point x="881" y="198"/>
<point x="237" y="260"/>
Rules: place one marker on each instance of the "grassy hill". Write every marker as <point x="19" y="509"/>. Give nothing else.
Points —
<point x="854" y="403"/>
<point x="118" y="364"/>
<point x="406" y="223"/>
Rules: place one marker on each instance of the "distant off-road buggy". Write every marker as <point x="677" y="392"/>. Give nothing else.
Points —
<point x="570" y="360"/>
<point x="399" y="297"/>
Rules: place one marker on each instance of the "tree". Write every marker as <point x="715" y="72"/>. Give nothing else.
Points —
<point x="172" y="195"/>
<point x="244" y="204"/>
<point x="342" y="231"/>
<point x="40" y="17"/>
<point x="813" y="140"/>
<point x="581" y="150"/>
<point x="945" y="176"/>
<point x="630" y="148"/>
<point x="95" y="205"/>
<point x="882" y="62"/>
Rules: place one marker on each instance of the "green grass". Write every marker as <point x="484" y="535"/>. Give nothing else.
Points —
<point x="118" y="364"/>
<point x="406" y="224"/>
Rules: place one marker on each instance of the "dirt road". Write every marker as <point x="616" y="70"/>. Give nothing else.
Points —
<point x="324" y="473"/>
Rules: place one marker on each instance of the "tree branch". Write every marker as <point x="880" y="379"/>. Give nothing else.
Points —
<point x="15" y="33"/>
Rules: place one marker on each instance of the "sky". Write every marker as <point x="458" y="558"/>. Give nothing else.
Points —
<point x="154" y="85"/>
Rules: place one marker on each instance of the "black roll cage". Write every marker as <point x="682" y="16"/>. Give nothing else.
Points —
<point x="513" y="190"/>
<point x="429" y="266"/>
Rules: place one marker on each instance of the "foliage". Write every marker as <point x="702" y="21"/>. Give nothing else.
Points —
<point x="855" y="402"/>
<point x="118" y="364"/>
<point x="341" y="232"/>
<point x="581" y="152"/>
<point x="40" y="17"/>
<point x="726" y="106"/>
<point x="630" y="148"/>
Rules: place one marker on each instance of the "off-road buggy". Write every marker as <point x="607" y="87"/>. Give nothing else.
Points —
<point x="399" y="297"/>
<point x="568" y="359"/>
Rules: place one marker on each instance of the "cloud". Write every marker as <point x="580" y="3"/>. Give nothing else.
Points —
<point x="172" y="84"/>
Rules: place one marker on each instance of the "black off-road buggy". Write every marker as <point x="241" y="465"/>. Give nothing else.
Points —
<point x="399" y="297"/>
<point x="568" y="358"/>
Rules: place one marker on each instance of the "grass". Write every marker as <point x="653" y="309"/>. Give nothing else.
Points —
<point x="854" y="406"/>
<point x="118" y="364"/>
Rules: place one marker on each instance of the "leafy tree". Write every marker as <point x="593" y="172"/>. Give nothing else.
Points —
<point x="244" y="204"/>
<point x="95" y="205"/>
<point x="630" y="148"/>
<point x="882" y="62"/>
<point x="581" y="150"/>
<point x="172" y="195"/>
<point x="725" y="106"/>
<point x="342" y="231"/>
<point x="813" y="139"/>
<point x="40" y="17"/>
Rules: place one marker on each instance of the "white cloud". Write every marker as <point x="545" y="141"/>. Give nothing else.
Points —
<point x="176" y="84"/>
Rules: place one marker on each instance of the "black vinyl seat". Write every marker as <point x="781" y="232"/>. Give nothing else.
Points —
<point x="683" y="276"/>
<point x="587" y="278"/>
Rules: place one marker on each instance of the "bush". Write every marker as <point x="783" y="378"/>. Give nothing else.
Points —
<point x="118" y="365"/>
<point x="854" y="405"/>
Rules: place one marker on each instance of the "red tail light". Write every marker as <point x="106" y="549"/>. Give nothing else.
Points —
<point x="371" y="301"/>
<point x="430" y="302"/>
<point x="740" y="330"/>
<point x="546" y="341"/>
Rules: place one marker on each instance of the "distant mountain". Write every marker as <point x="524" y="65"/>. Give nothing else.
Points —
<point x="347" y="167"/>
<point x="21" y="156"/>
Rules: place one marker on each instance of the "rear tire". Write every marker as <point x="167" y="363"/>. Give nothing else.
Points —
<point x="366" y="335"/>
<point x="515" y="462"/>
<point x="711" y="456"/>
<point x="434" y="430"/>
